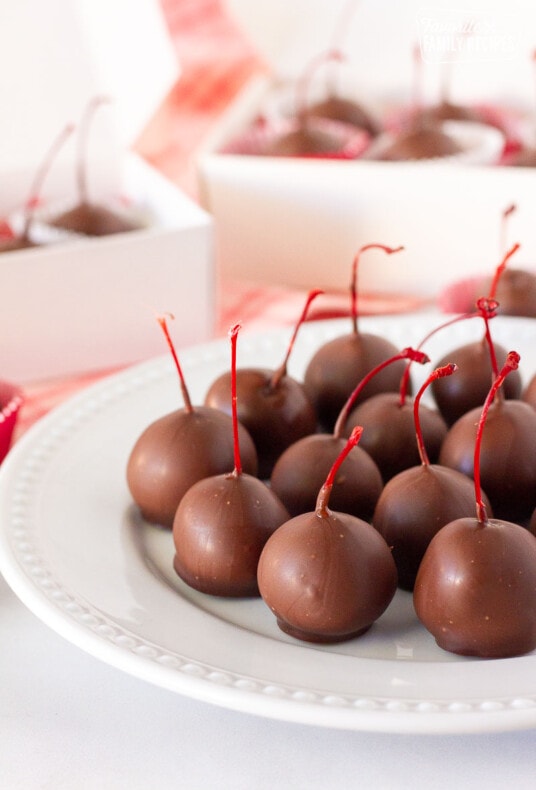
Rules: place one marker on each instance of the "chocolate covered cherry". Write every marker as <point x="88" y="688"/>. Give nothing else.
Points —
<point x="272" y="405"/>
<point x="222" y="524"/>
<point x="476" y="587"/>
<point x="177" y="450"/>
<point x="302" y="468"/>
<point x="90" y="218"/>
<point x="327" y="576"/>
<point x="338" y="366"/>
<point x="478" y="364"/>
<point x="419" y="501"/>
<point x="24" y="241"/>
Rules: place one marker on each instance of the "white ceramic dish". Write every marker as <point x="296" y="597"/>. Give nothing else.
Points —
<point x="74" y="550"/>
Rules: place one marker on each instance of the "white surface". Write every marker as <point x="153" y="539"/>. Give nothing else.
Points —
<point x="74" y="550"/>
<point x="70" y="721"/>
<point x="102" y="294"/>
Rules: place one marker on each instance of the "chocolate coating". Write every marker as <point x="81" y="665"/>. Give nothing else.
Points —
<point x="303" y="141"/>
<point x="326" y="578"/>
<point x="529" y="392"/>
<point x="414" y="506"/>
<point x="18" y="243"/>
<point x="337" y="108"/>
<point x="338" y="366"/>
<point x="176" y="451"/>
<point x="476" y="589"/>
<point x="219" y="530"/>
<point x="302" y="469"/>
<point x="516" y="293"/>
<point x="422" y="142"/>
<point x="456" y="395"/>
<point x="389" y="432"/>
<point x="507" y="457"/>
<point x="275" y="417"/>
<point x="93" y="220"/>
<point x="447" y="111"/>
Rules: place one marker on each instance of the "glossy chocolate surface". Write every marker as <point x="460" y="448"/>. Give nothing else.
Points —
<point x="302" y="469"/>
<point x="389" y="432"/>
<point x="176" y="451"/>
<point x="326" y="578"/>
<point x="338" y="366"/>
<point x="414" y="506"/>
<point x="275" y="417"/>
<point x="476" y="589"/>
<point x="219" y="530"/>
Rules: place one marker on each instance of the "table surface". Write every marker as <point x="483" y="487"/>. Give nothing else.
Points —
<point x="69" y="721"/>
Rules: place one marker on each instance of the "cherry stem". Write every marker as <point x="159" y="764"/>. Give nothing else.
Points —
<point x="304" y="84"/>
<point x="35" y="192"/>
<point x="512" y="363"/>
<point x="340" y="32"/>
<point x="488" y="309"/>
<point x="322" y="501"/>
<point x="353" y="283"/>
<point x="438" y="373"/>
<point x="282" y="370"/>
<point x="83" y="137"/>
<point x="417" y="78"/>
<point x="233" y="334"/>
<point x="406" y="353"/>
<point x="507" y="213"/>
<point x="500" y="269"/>
<point x="162" y="320"/>
<point x="404" y="384"/>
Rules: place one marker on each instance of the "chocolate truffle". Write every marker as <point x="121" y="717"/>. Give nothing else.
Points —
<point x="219" y="530"/>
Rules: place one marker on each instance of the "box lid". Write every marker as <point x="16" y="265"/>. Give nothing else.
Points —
<point x="57" y="55"/>
<point x="378" y="38"/>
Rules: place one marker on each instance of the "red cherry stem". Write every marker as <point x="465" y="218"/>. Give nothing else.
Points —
<point x="404" y="383"/>
<point x="35" y="191"/>
<point x="282" y="370"/>
<point x="406" y="353"/>
<point x="322" y="501"/>
<point x="340" y="32"/>
<point x="512" y="363"/>
<point x="302" y="89"/>
<point x="488" y="309"/>
<point x="353" y="283"/>
<point x="438" y="373"/>
<point x="500" y="269"/>
<point x="83" y="137"/>
<point x="162" y="320"/>
<point x="233" y="334"/>
<point x="507" y="213"/>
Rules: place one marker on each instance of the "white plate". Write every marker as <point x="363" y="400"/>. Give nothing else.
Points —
<point x="74" y="550"/>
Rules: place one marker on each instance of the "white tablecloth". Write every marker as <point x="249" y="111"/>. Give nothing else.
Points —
<point x="70" y="722"/>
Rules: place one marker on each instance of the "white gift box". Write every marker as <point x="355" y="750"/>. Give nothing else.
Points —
<point x="300" y="221"/>
<point x="90" y="303"/>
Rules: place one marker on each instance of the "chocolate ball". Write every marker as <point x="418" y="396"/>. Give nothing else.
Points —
<point x="476" y="589"/>
<point x="176" y="451"/>
<point x="326" y="578"/>
<point x="275" y="416"/>
<point x="219" y="530"/>
<point x="507" y="455"/>
<point x="303" y="467"/>
<point x="93" y="220"/>
<point x="389" y="432"/>
<point x="456" y="395"/>
<point x="337" y="367"/>
<point x="414" y="506"/>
